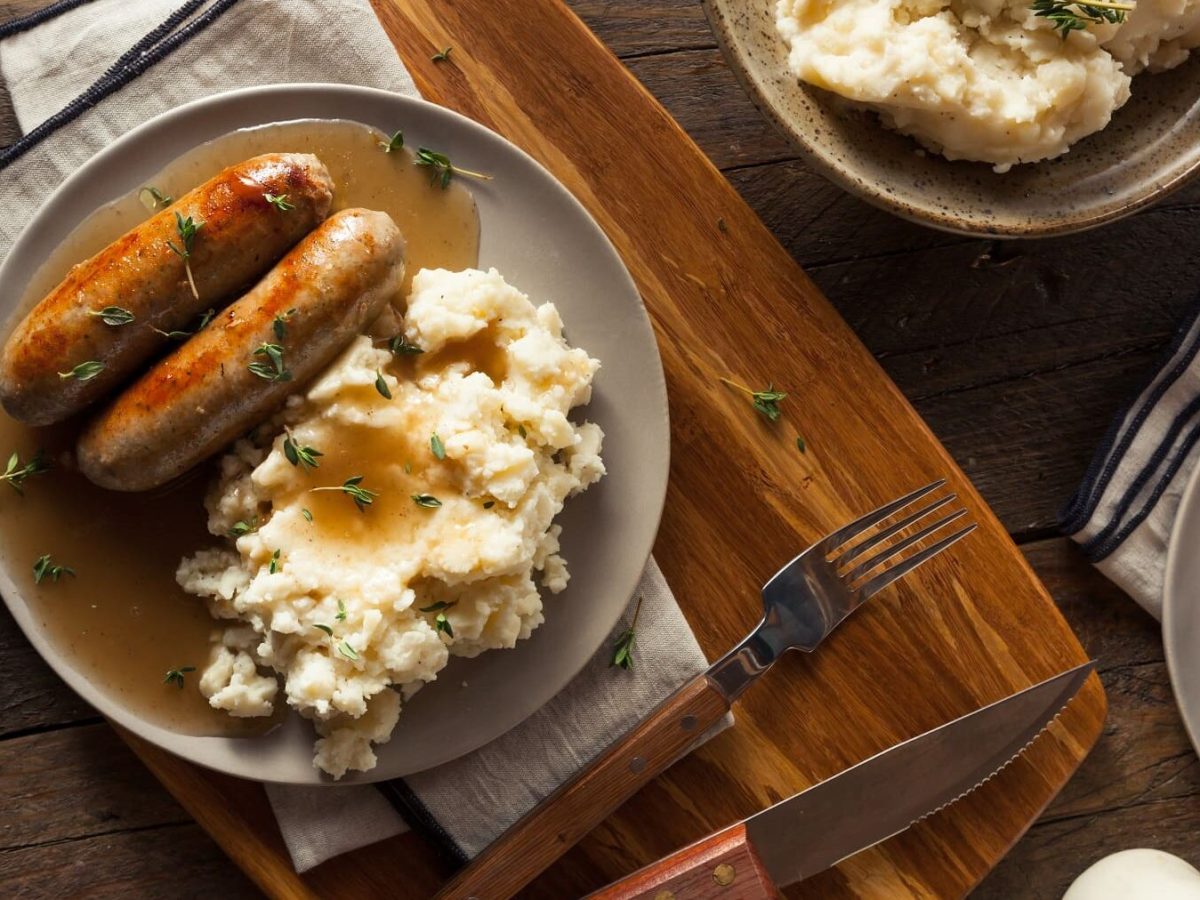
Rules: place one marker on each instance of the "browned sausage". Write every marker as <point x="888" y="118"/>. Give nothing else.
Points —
<point x="240" y="238"/>
<point x="206" y="393"/>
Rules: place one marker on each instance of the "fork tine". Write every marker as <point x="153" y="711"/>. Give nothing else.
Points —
<point x="900" y="546"/>
<point x="883" y="579"/>
<point x="837" y="538"/>
<point x="859" y="549"/>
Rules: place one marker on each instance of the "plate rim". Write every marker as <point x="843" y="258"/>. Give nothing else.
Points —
<point x="22" y="612"/>
<point x="1187" y="517"/>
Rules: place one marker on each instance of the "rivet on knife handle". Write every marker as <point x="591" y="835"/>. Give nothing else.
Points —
<point x="534" y="842"/>
<point x="723" y="866"/>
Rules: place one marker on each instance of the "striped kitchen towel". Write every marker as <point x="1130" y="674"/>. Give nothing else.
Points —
<point x="1123" y="513"/>
<point x="81" y="73"/>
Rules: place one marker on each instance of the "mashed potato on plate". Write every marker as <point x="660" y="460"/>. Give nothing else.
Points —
<point x="984" y="80"/>
<point x="346" y="594"/>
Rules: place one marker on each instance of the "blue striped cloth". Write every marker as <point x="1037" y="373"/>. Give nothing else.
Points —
<point x="1123" y="512"/>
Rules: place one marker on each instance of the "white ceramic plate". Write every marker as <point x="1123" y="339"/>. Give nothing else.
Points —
<point x="1181" y="608"/>
<point x="545" y="243"/>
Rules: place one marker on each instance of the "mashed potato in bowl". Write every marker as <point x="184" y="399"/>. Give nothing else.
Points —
<point x="465" y="453"/>
<point x="984" y="80"/>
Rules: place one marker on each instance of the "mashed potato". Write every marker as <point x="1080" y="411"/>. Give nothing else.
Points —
<point x="469" y="462"/>
<point x="982" y="80"/>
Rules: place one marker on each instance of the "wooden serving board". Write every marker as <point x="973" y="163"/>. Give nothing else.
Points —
<point x="726" y="300"/>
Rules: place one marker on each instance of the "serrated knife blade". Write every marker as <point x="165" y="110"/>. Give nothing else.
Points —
<point x="869" y="802"/>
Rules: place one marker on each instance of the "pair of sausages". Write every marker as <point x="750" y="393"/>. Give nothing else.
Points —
<point x="334" y="280"/>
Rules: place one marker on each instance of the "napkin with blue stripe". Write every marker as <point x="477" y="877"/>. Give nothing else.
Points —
<point x="1123" y="513"/>
<point x="81" y="73"/>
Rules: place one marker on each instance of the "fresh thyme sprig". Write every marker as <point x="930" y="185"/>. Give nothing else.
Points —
<point x="426" y="500"/>
<point x="112" y="315"/>
<point x="381" y="385"/>
<point x="442" y="55"/>
<point x="440" y="622"/>
<point x="244" y="527"/>
<point x="274" y="565"/>
<point x="438" y="448"/>
<point x="187" y="229"/>
<point x="347" y="651"/>
<point x="1068" y="17"/>
<point x="766" y="402"/>
<point x="443" y="169"/>
<point x="157" y="198"/>
<point x="299" y="454"/>
<point x="279" y="325"/>
<point x="271" y="366"/>
<point x="352" y="488"/>
<point x="341" y="613"/>
<point x="181" y="334"/>
<point x="394" y="143"/>
<point x="401" y="347"/>
<point x="280" y="202"/>
<point x="85" y="371"/>
<point x="15" y="473"/>
<point x="175" y="676"/>
<point x="623" y="648"/>
<point x="45" y="568"/>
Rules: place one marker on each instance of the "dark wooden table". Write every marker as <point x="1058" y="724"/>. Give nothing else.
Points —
<point x="1016" y="354"/>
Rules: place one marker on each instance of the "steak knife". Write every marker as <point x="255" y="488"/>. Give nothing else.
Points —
<point x="855" y="809"/>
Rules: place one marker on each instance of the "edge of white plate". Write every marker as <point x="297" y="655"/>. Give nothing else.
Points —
<point x="41" y="222"/>
<point x="1187" y="519"/>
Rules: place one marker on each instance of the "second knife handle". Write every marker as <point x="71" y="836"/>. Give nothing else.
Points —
<point x="556" y="824"/>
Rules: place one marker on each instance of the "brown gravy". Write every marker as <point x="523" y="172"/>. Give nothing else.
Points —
<point x="122" y="621"/>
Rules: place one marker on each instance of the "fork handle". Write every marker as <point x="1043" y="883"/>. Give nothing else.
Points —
<point x="546" y="832"/>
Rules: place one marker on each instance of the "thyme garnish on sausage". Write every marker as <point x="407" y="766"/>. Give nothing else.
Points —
<point x="175" y="676"/>
<point x="352" y="487"/>
<point x="443" y="169"/>
<point x="279" y="325"/>
<point x="187" y="229"/>
<point x="1068" y="17"/>
<point x="112" y="315"/>
<point x="271" y="366"/>
<point x="15" y="473"/>
<point x="85" y="371"/>
<point x="279" y="201"/>
<point x="46" y="568"/>
<point x="181" y="334"/>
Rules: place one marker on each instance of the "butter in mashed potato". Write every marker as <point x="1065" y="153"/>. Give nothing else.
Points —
<point x="350" y="608"/>
<point x="983" y="80"/>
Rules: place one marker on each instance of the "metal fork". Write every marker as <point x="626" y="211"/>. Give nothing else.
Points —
<point x="803" y="602"/>
<point x="810" y="596"/>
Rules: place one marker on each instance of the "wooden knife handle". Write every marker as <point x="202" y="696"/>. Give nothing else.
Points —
<point x="556" y="824"/>
<point x="723" y="866"/>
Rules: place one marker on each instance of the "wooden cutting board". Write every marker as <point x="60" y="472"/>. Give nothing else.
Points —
<point x="727" y="300"/>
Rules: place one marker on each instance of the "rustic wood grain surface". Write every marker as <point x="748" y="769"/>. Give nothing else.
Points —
<point x="1016" y="355"/>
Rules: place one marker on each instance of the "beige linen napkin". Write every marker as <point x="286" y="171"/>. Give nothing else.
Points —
<point x="85" y="72"/>
<point x="1123" y="513"/>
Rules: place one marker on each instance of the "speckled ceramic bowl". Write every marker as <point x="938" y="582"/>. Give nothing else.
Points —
<point x="1151" y="147"/>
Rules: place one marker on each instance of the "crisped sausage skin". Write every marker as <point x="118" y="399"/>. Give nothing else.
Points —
<point x="204" y="395"/>
<point x="242" y="235"/>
